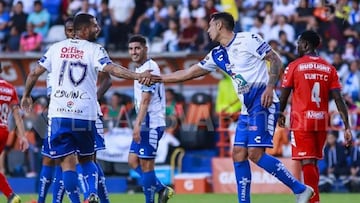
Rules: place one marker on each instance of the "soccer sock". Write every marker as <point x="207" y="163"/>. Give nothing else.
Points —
<point x="277" y="169"/>
<point x="4" y="186"/>
<point x="58" y="186"/>
<point x="243" y="180"/>
<point x="83" y="187"/>
<point x="311" y="178"/>
<point x="90" y="177"/>
<point x="71" y="186"/>
<point x="159" y="185"/>
<point x="46" y="175"/>
<point x="102" y="190"/>
<point x="149" y="180"/>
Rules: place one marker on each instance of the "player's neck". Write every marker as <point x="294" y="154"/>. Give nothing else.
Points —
<point x="227" y="38"/>
<point x="311" y="53"/>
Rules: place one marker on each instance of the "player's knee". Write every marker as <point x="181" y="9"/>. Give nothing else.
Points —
<point x="255" y="154"/>
<point x="308" y="161"/>
<point x="239" y="154"/>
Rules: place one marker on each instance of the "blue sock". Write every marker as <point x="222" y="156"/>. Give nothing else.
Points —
<point x="159" y="185"/>
<point x="58" y="186"/>
<point x="102" y="190"/>
<point x="243" y="180"/>
<point x="71" y="186"/>
<point x="149" y="180"/>
<point x="83" y="187"/>
<point x="277" y="169"/>
<point x="90" y="177"/>
<point x="46" y="176"/>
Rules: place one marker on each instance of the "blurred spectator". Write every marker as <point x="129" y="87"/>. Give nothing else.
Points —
<point x="351" y="85"/>
<point x="268" y="14"/>
<point x="210" y="8"/>
<point x="171" y="36"/>
<point x="19" y="18"/>
<point x="13" y="40"/>
<point x="282" y="24"/>
<point x="4" y="20"/>
<point x="349" y="53"/>
<point x="174" y="112"/>
<point x="261" y="28"/>
<point x="114" y="106"/>
<point x="203" y="41"/>
<point x="86" y="8"/>
<point x="152" y="23"/>
<point x="286" y="8"/>
<point x="329" y="50"/>
<point x="341" y="66"/>
<point x="197" y="11"/>
<point x="30" y="40"/>
<point x="342" y="9"/>
<point x="121" y="14"/>
<point x="335" y="158"/>
<point x="286" y="49"/>
<point x="73" y="7"/>
<point x="104" y="20"/>
<point x="53" y="7"/>
<point x="303" y="16"/>
<point x="28" y="5"/>
<point x="188" y="36"/>
<point x="40" y="18"/>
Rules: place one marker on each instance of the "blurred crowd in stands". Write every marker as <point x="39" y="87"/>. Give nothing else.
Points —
<point x="181" y="25"/>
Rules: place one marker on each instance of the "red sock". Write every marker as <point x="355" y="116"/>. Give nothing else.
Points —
<point x="4" y="186"/>
<point x="311" y="178"/>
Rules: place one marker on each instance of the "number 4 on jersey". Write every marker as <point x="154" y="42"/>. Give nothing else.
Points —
<point x="315" y="94"/>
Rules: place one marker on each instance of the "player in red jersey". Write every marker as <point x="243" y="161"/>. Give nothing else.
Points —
<point x="9" y="102"/>
<point x="312" y="80"/>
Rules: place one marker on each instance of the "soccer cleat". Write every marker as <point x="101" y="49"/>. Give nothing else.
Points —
<point x="14" y="198"/>
<point x="305" y="196"/>
<point x="93" y="198"/>
<point x="166" y="194"/>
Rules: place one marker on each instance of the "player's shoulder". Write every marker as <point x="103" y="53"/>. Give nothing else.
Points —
<point x="5" y="85"/>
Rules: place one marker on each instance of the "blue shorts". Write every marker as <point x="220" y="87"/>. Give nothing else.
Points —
<point x="149" y="143"/>
<point x="68" y="136"/>
<point x="99" y="135"/>
<point x="257" y="128"/>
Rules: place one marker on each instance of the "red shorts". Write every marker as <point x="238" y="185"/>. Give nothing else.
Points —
<point x="307" y="144"/>
<point x="4" y="134"/>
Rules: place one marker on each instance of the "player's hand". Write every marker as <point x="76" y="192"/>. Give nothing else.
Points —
<point x="145" y="78"/>
<point x="281" y="120"/>
<point x="26" y="103"/>
<point x="267" y="97"/>
<point x="348" y="137"/>
<point x="136" y="134"/>
<point x="24" y="143"/>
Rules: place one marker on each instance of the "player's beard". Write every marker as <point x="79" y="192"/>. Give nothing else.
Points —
<point x="93" y="37"/>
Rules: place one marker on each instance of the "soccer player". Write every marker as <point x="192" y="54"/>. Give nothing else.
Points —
<point x="49" y="167"/>
<point x="73" y="65"/>
<point x="243" y="57"/>
<point x="9" y="102"/>
<point x="149" y="125"/>
<point x="312" y="80"/>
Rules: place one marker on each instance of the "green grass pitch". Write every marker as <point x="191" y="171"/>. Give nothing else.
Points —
<point x="214" y="198"/>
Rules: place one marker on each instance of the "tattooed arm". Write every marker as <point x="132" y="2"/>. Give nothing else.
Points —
<point x="274" y="73"/>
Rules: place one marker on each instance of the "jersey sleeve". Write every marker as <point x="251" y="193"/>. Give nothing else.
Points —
<point x="335" y="83"/>
<point x="288" y="77"/>
<point x="45" y="60"/>
<point x="257" y="46"/>
<point x="101" y="58"/>
<point x="208" y="62"/>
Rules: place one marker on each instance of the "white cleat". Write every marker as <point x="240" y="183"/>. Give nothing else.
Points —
<point x="305" y="196"/>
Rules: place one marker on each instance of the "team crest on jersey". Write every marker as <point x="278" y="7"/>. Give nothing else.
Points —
<point x="70" y="104"/>
<point x="42" y="59"/>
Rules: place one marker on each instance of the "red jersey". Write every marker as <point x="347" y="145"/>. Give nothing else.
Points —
<point x="311" y="79"/>
<point x="8" y="97"/>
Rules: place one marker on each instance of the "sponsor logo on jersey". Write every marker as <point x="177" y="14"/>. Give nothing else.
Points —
<point x="5" y="90"/>
<point x="315" y="115"/>
<point x="70" y="104"/>
<point x="71" y="52"/>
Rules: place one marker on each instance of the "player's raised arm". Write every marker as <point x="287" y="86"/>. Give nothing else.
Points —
<point x="183" y="75"/>
<point x="26" y="101"/>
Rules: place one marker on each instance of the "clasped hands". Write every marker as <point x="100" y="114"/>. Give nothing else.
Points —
<point x="146" y="78"/>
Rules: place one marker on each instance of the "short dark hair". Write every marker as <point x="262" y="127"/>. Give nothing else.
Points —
<point x="82" y="20"/>
<point x="226" y="18"/>
<point x="69" y="19"/>
<point x="138" y="38"/>
<point x="311" y="37"/>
